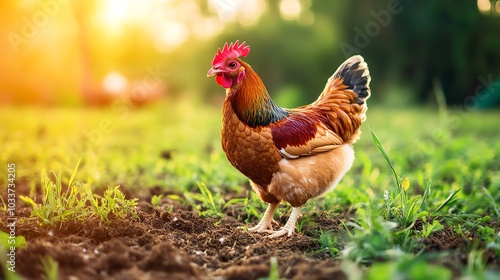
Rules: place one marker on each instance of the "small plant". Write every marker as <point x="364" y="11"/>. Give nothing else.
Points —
<point x="371" y="238"/>
<point x="211" y="205"/>
<point x="409" y="209"/>
<point x="495" y="245"/>
<point x="113" y="202"/>
<point x="493" y="203"/>
<point x="7" y="241"/>
<point x="408" y="268"/>
<point x="304" y="221"/>
<point x="155" y="200"/>
<point x="476" y="267"/>
<point x="428" y="228"/>
<point x="274" y="273"/>
<point x="486" y="233"/>
<point x="77" y="202"/>
<point x="252" y="205"/>
<point x="50" y="267"/>
<point x="329" y="243"/>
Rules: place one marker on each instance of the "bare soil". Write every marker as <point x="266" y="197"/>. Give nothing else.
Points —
<point x="173" y="242"/>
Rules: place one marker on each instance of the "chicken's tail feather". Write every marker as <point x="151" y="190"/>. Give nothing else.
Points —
<point x="355" y="75"/>
<point x="344" y="98"/>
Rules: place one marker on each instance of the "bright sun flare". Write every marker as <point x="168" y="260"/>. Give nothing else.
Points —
<point x="115" y="13"/>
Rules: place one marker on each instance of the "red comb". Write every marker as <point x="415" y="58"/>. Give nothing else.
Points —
<point x="233" y="50"/>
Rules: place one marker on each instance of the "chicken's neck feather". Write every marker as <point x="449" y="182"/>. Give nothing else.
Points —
<point x="252" y="103"/>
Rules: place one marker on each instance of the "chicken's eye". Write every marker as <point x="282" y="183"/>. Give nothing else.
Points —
<point x="232" y="65"/>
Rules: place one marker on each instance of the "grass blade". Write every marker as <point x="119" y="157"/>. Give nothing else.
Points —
<point x="386" y="156"/>
<point x="447" y="200"/>
<point x="440" y="98"/>
<point x="488" y="194"/>
<point x="74" y="173"/>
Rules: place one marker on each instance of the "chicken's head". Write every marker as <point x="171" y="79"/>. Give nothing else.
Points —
<point x="227" y="67"/>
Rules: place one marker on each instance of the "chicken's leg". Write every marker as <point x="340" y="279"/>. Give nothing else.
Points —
<point x="289" y="227"/>
<point x="265" y="223"/>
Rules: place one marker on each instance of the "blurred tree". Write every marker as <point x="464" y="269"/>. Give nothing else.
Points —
<point x="291" y="56"/>
<point x="82" y="11"/>
<point x="296" y="46"/>
<point x="408" y="45"/>
<point x="426" y="40"/>
<point x="449" y="41"/>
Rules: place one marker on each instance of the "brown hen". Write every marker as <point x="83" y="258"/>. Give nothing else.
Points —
<point x="289" y="155"/>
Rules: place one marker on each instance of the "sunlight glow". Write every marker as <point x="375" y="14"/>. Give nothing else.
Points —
<point x="115" y="83"/>
<point x="250" y="12"/>
<point x="170" y="35"/>
<point x="306" y="16"/>
<point x="226" y="9"/>
<point x="484" y="6"/>
<point x="246" y="12"/>
<point x="290" y="9"/>
<point x="206" y="28"/>
<point x="171" y="23"/>
<point x="116" y="13"/>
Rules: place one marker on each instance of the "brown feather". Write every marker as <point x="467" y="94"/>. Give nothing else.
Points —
<point x="250" y="150"/>
<point x="301" y="179"/>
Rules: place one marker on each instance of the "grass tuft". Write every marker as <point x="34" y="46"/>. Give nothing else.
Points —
<point x="329" y="243"/>
<point x="77" y="202"/>
<point x="208" y="204"/>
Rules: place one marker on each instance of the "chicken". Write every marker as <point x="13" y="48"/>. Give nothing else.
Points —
<point x="289" y="155"/>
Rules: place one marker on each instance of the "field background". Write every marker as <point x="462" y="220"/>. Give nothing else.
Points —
<point x="113" y="93"/>
<point x="175" y="152"/>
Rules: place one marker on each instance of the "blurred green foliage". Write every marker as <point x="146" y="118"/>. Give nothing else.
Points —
<point x="410" y="46"/>
<point x="413" y="48"/>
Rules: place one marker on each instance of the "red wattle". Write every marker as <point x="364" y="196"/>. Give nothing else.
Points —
<point x="224" y="81"/>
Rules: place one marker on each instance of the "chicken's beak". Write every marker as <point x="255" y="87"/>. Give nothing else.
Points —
<point x="213" y="72"/>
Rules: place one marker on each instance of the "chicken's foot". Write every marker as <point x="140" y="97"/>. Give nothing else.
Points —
<point x="265" y="224"/>
<point x="289" y="227"/>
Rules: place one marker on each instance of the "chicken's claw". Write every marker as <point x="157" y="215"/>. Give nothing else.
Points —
<point x="289" y="227"/>
<point x="265" y="224"/>
<point x="281" y="232"/>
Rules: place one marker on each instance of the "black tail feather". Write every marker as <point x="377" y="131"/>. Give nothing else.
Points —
<point x="355" y="75"/>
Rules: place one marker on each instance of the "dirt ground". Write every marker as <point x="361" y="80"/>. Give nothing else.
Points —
<point x="173" y="242"/>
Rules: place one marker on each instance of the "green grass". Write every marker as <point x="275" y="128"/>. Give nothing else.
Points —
<point x="76" y="201"/>
<point x="273" y="271"/>
<point x="208" y="204"/>
<point x="440" y="171"/>
<point x="50" y="267"/>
